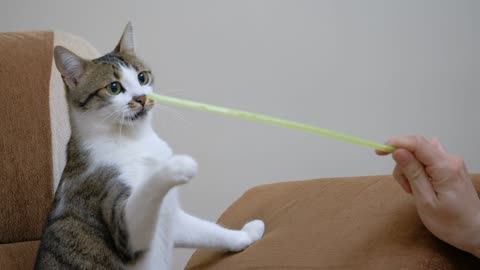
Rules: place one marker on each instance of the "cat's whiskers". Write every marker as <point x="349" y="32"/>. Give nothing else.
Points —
<point x="173" y="112"/>
<point x="109" y="116"/>
<point x="121" y="124"/>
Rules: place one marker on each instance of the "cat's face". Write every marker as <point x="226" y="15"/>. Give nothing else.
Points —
<point x="112" y="88"/>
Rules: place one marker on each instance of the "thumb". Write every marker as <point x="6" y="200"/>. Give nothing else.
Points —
<point x="414" y="171"/>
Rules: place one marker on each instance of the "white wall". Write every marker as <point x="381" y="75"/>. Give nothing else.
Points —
<point x="374" y="69"/>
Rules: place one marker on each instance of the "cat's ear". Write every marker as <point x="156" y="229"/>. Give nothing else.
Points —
<point x="71" y="66"/>
<point x="127" y="41"/>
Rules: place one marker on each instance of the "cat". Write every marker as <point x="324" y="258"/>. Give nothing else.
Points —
<point x="116" y="205"/>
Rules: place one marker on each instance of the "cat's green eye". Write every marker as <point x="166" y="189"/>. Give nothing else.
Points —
<point x="143" y="77"/>
<point x="114" y="88"/>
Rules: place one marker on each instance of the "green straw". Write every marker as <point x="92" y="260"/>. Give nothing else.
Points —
<point x="269" y="120"/>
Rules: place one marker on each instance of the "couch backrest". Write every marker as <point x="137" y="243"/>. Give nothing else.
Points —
<point x="34" y="129"/>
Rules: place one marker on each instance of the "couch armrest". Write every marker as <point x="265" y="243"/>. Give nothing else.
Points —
<point x="342" y="223"/>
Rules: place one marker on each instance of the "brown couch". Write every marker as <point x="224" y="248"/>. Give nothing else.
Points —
<point x="337" y="223"/>
<point x="34" y="131"/>
<point x="343" y="223"/>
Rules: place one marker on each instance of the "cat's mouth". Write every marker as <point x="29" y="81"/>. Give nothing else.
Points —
<point x="138" y="115"/>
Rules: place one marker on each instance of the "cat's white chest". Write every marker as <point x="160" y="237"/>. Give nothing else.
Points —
<point x="135" y="159"/>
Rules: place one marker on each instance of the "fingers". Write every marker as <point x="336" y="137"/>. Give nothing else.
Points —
<point x="414" y="171"/>
<point x="381" y="153"/>
<point x="436" y="143"/>
<point x="449" y="171"/>
<point x="426" y="152"/>
<point x="402" y="180"/>
<point x="413" y="155"/>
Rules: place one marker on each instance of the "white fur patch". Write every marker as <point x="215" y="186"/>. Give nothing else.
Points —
<point x="129" y="80"/>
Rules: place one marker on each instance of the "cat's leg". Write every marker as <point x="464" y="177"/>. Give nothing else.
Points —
<point x="192" y="232"/>
<point x="160" y="254"/>
<point x="142" y="206"/>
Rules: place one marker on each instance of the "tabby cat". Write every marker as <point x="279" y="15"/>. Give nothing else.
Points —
<point x="116" y="205"/>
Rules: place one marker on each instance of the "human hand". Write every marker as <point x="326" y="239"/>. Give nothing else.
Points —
<point x="444" y="195"/>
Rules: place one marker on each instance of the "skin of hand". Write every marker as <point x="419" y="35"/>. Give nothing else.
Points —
<point x="445" y="197"/>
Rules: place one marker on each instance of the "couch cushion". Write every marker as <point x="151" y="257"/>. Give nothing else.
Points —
<point x="342" y="223"/>
<point x="18" y="256"/>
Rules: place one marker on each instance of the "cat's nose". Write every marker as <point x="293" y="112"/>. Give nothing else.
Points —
<point x="140" y="99"/>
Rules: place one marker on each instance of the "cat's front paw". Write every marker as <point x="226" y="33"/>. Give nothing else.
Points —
<point x="252" y="232"/>
<point x="180" y="169"/>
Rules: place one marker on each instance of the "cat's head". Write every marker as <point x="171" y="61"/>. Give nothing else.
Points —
<point x="112" y="88"/>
